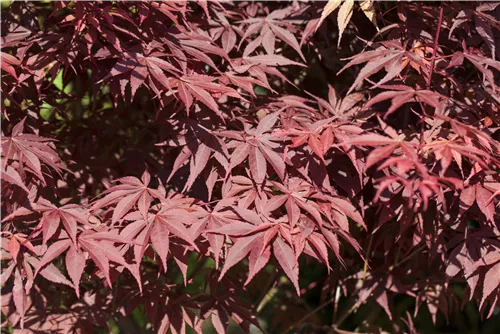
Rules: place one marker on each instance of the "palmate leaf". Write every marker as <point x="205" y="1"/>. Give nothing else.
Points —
<point x="297" y="195"/>
<point x="198" y="149"/>
<point x="100" y="246"/>
<point x="97" y="246"/>
<point x="201" y="88"/>
<point x="481" y="196"/>
<point x="126" y="195"/>
<point x="9" y="63"/>
<point x="138" y="67"/>
<point x="391" y="56"/>
<point x="69" y="215"/>
<point x="248" y="231"/>
<point x="173" y="222"/>
<point x="31" y="151"/>
<point x="19" y="296"/>
<point x="255" y="236"/>
<point x="220" y="216"/>
<point x="400" y="95"/>
<point x="11" y="176"/>
<point x="388" y="146"/>
<point x="48" y="270"/>
<point x="75" y="265"/>
<point x="480" y="18"/>
<point x="259" y="146"/>
<point x="270" y="27"/>
<point x="223" y="30"/>
<point x="345" y="13"/>
<point x="341" y="109"/>
<point x="447" y="151"/>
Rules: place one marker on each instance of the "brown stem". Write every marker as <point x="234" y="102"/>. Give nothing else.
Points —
<point x="355" y="305"/>
<point x="440" y="21"/>
<point x="422" y="126"/>
<point x="408" y="257"/>
<point x="319" y="308"/>
<point x="344" y="316"/>
<point x="365" y="266"/>
<point x="270" y="284"/>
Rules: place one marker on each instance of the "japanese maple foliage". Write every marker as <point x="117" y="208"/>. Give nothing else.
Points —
<point x="186" y="160"/>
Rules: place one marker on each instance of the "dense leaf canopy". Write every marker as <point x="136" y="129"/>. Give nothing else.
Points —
<point x="191" y="164"/>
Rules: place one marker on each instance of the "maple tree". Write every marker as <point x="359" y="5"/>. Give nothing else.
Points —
<point x="192" y="164"/>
